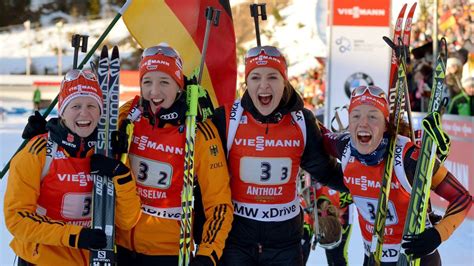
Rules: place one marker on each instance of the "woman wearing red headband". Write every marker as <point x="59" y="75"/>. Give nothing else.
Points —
<point x="49" y="192"/>
<point x="362" y="153"/>
<point x="269" y="136"/>
<point x="156" y="158"/>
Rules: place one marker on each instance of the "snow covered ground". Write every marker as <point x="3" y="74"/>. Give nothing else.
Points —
<point x="458" y="250"/>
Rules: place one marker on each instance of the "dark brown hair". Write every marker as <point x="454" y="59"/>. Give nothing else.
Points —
<point x="329" y="225"/>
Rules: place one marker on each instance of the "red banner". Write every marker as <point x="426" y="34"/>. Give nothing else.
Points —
<point x="460" y="161"/>
<point x="361" y="13"/>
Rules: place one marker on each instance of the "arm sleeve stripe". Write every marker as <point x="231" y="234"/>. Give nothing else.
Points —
<point x="202" y="131"/>
<point x="463" y="205"/>
<point x="212" y="224"/>
<point x="212" y="227"/>
<point x="455" y="185"/>
<point x="220" y="222"/>
<point x="40" y="148"/>
<point x="216" y="224"/>
<point x="36" y="143"/>
<point x="38" y="219"/>
<point x="212" y="135"/>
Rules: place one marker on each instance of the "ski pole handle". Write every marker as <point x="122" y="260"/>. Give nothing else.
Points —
<point x="210" y="12"/>
<point x="254" y="12"/>
<point x="78" y="42"/>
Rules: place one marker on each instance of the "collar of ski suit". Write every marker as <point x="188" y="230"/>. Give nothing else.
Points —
<point x="295" y="103"/>
<point x="374" y="157"/>
<point x="74" y="145"/>
<point x="175" y="115"/>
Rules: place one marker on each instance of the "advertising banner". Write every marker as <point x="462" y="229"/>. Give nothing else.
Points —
<point x="460" y="161"/>
<point x="357" y="53"/>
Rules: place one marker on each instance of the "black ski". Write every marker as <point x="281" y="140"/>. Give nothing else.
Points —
<point x="103" y="215"/>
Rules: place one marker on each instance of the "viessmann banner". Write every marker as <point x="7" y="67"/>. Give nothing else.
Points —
<point x="460" y="161"/>
<point x="357" y="53"/>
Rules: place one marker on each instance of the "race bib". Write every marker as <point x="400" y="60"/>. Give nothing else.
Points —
<point x="368" y="210"/>
<point x="151" y="173"/>
<point x="265" y="171"/>
<point x="76" y="206"/>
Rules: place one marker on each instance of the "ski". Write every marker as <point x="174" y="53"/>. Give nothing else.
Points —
<point x="403" y="32"/>
<point x="406" y="44"/>
<point x="193" y="92"/>
<point x="103" y="196"/>
<point x="417" y="211"/>
<point x="394" y="61"/>
<point x="381" y="214"/>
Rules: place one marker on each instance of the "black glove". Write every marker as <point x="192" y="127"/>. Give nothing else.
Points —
<point x="36" y="125"/>
<point x="422" y="244"/>
<point x="120" y="139"/>
<point x="105" y="166"/>
<point x="92" y="239"/>
<point x="201" y="260"/>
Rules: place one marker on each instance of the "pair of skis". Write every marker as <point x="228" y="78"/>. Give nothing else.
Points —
<point x="382" y="206"/>
<point x="187" y="195"/>
<point x="402" y="32"/>
<point x="103" y="195"/>
<point x="398" y="101"/>
<point x="417" y="211"/>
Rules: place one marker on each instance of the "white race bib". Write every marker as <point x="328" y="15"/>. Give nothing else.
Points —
<point x="151" y="173"/>
<point x="265" y="171"/>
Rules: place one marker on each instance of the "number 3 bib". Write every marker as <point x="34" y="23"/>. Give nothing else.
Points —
<point x="264" y="167"/>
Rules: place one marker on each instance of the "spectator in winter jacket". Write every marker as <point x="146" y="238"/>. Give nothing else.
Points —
<point x="49" y="192"/>
<point x="156" y="157"/>
<point x="463" y="103"/>
<point x="268" y="136"/>
<point x="363" y="151"/>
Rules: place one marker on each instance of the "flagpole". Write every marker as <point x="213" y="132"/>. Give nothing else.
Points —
<point x="84" y="61"/>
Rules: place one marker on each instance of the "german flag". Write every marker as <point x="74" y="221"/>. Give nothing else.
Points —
<point x="447" y="21"/>
<point x="182" y="24"/>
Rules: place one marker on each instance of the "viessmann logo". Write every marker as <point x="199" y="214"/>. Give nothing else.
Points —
<point x="357" y="12"/>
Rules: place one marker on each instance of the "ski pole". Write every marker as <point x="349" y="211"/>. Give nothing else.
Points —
<point x="215" y="21"/>
<point x="188" y="175"/>
<point x="254" y="12"/>
<point x="317" y="233"/>
<point x="83" y="62"/>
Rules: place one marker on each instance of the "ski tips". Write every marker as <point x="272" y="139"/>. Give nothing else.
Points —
<point x="115" y="52"/>
<point x="104" y="52"/>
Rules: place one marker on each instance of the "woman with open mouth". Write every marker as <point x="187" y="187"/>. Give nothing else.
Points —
<point x="156" y="157"/>
<point x="363" y="151"/>
<point x="269" y="135"/>
<point x="48" y="201"/>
